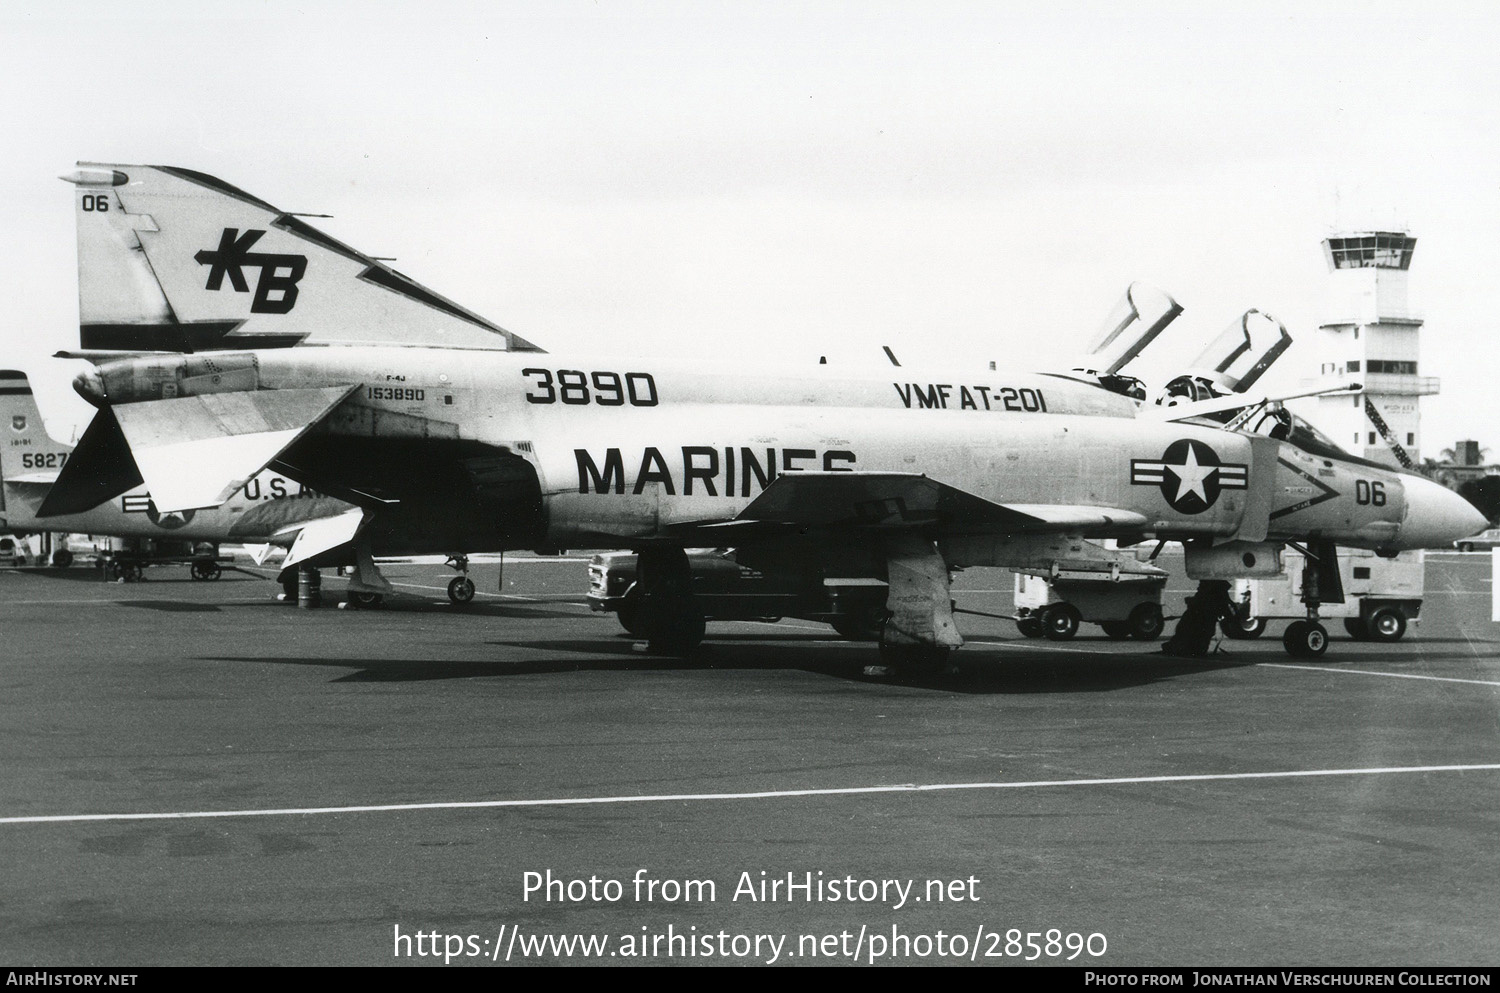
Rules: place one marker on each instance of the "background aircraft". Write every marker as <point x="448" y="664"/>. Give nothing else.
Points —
<point x="269" y="509"/>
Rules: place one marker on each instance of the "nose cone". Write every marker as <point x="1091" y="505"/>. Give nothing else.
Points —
<point x="1436" y="516"/>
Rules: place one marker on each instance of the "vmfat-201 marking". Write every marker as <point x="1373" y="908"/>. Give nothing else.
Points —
<point x="946" y="396"/>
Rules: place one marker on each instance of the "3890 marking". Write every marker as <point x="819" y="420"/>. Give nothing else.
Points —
<point x="395" y="393"/>
<point x="607" y="389"/>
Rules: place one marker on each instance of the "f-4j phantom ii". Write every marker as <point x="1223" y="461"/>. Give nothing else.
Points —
<point x="810" y="472"/>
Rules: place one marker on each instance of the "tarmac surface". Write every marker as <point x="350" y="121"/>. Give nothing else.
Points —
<point x="193" y="773"/>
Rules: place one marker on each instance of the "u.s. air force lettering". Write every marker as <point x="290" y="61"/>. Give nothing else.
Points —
<point x="1190" y="475"/>
<point x="708" y="466"/>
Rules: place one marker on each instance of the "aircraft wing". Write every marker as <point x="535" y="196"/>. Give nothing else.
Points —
<point x="191" y="452"/>
<point x="891" y="501"/>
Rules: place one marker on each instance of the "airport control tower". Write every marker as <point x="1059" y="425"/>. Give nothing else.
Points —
<point x="1370" y="337"/>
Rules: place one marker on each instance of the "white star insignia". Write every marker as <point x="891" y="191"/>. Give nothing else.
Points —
<point x="1191" y="476"/>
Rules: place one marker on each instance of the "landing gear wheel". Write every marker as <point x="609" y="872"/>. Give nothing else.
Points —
<point x="921" y="661"/>
<point x="1386" y="624"/>
<point x="862" y="625"/>
<point x="365" y="599"/>
<point x="673" y="625"/>
<point x="1305" y="639"/>
<point x="1117" y="630"/>
<point x="1031" y="627"/>
<point x="207" y="570"/>
<point x="460" y="590"/>
<point x="62" y="558"/>
<point x="1234" y="627"/>
<point x="1146" y="622"/>
<point x="1060" y="622"/>
<point x="628" y="613"/>
<point x="1356" y="628"/>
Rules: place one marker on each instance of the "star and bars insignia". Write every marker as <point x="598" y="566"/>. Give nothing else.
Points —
<point x="1190" y="475"/>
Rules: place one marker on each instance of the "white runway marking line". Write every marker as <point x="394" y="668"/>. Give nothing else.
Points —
<point x="756" y="795"/>
<point x="1368" y="672"/>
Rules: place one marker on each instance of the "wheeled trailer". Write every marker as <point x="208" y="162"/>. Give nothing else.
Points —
<point x="1126" y="606"/>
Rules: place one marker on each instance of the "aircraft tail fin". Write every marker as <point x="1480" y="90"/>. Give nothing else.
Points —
<point x="175" y="260"/>
<point x="26" y="450"/>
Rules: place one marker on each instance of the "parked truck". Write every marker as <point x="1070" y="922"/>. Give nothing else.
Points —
<point x="1382" y="596"/>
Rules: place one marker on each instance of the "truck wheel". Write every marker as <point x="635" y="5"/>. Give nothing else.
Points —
<point x="1305" y="639"/>
<point x="1060" y="622"/>
<point x="1117" y="630"/>
<point x="1031" y="627"/>
<point x="1146" y="622"/>
<point x="1386" y="624"/>
<point x="62" y="558"/>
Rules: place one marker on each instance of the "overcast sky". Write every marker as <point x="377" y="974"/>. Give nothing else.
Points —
<point x="962" y="182"/>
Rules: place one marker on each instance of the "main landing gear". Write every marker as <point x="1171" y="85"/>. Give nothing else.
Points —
<point x="919" y="635"/>
<point x="664" y="611"/>
<point x="461" y="587"/>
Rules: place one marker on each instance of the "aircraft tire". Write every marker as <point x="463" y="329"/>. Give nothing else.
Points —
<point x="1240" y="630"/>
<point x="1305" y="639"/>
<point x="1060" y="622"/>
<point x="629" y="616"/>
<point x="62" y="558"/>
<point x="364" y="599"/>
<point x="674" y="625"/>
<point x="918" y="661"/>
<point x="1386" y="624"/>
<point x="1357" y="629"/>
<point x="1116" y="630"/>
<point x="863" y="625"/>
<point x="1031" y="627"/>
<point x="460" y="591"/>
<point x="1146" y="622"/>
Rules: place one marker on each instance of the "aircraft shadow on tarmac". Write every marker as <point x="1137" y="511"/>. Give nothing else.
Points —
<point x="979" y="672"/>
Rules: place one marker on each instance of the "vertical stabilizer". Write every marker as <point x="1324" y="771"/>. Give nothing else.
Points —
<point x="175" y="260"/>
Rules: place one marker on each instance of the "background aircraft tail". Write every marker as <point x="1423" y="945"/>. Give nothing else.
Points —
<point x="175" y="260"/>
<point x="26" y="450"/>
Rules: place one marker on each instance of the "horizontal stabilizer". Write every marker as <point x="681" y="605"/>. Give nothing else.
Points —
<point x="893" y="500"/>
<point x="36" y="478"/>
<point x="197" y="451"/>
<point x="322" y="535"/>
<point x="101" y="468"/>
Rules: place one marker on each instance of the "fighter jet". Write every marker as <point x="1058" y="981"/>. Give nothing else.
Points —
<point x="894" y="474"/>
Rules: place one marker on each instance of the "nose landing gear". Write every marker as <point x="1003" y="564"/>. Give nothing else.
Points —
<point x="1309" y="639"/>
<point x="461" y="587"/>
